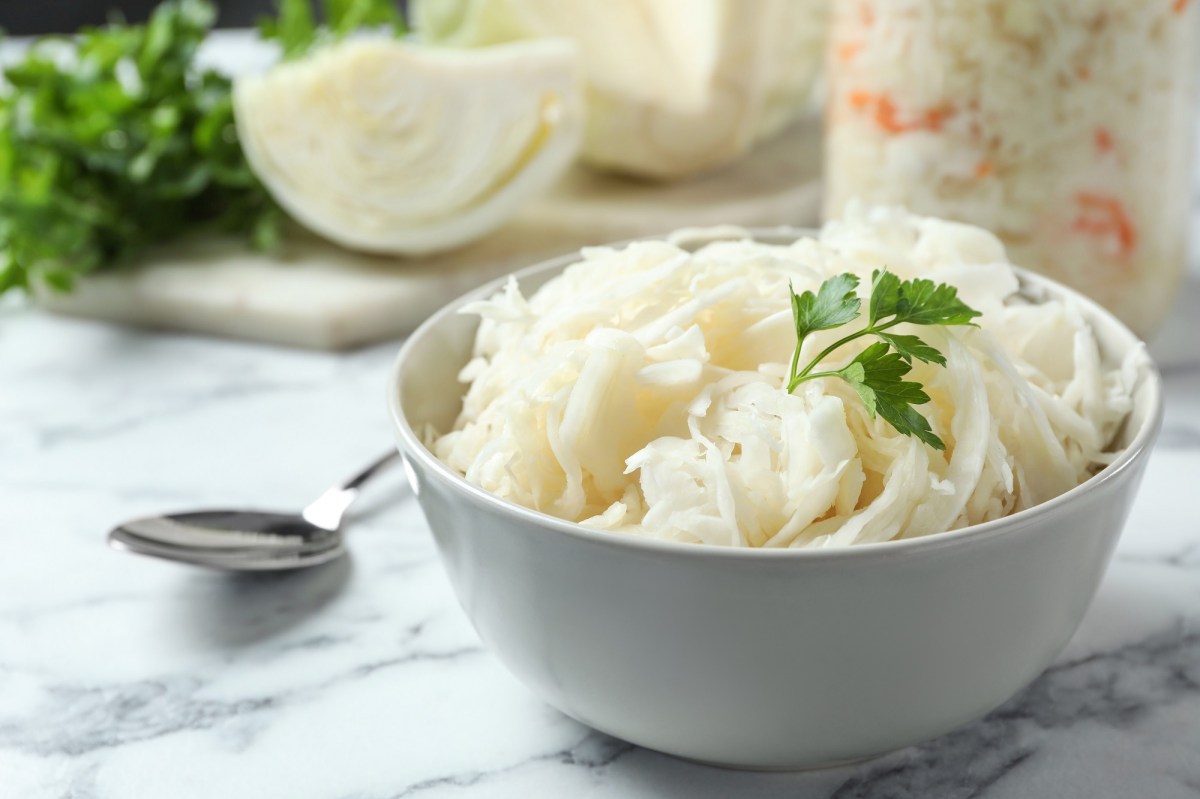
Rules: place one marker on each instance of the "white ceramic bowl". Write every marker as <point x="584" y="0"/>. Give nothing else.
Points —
<point x="764" y="658"/>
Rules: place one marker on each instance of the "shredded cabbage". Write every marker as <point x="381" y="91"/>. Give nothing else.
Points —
<point x="642" y="392"/>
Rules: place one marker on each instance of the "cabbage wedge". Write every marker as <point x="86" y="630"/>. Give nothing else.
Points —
<point x="389" y="147"/>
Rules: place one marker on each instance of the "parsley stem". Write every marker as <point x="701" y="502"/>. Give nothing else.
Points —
<point x="810" y="376"/>
<point x="806" y="374"/>
<point x="792" y="379"/>
<point x="825" y="353"/>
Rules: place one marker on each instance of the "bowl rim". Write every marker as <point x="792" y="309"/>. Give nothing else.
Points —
<point x="410" y="444"/>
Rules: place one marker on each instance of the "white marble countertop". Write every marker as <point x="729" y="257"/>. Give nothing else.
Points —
<point x="126" y="678"/>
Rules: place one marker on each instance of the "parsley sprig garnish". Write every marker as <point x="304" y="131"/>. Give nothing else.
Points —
<point x="877" y="373"/>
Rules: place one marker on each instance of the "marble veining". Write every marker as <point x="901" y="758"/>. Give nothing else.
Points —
<point x="1117" y="689"/>
<point x="123" y="678"/>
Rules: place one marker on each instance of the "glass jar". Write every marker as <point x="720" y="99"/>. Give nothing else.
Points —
<point x="1063" y="126"/>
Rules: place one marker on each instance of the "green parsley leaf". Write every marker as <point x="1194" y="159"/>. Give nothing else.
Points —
<point x="913" y="347"/>
<point x="891" y="395"/>
<point x="856" y="375"/>
<point x="905" y="419"/>
<point x="297" y="31"/>
<point x="885" y="295"/>
<point x="918" y="302"/>
<point x="346" y="16"/>
<point x="834" y="304"/>
<point x="294" y="29"/>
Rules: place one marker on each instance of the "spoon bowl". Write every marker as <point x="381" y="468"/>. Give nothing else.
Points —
<point x="239" y="556"/>
<point x="249" y="540"/>
<point x="222" y="529"/>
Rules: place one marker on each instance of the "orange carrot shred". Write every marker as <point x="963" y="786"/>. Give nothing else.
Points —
<point x="885" y="116"/>
<point x="848" y="50"/>
<point x="1104" y="140"/>
<point x="860" y="98"/>
<point x="1083" y="72"/>
<point x="1180" y="6"/>
<point x="1103" y="216"/>
<point x="1126" y="232"/>
<point x="984" y="168"/>
<point x="1090" y="199"/>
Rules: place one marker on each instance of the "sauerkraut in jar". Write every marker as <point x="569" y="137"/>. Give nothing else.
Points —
<point x="1064" y="126"/>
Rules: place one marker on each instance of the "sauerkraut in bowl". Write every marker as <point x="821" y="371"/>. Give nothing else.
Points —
<point x="642" y="391"/>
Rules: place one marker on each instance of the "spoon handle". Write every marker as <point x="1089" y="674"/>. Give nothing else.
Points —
<point x="366" y="474"/>
<point x="327" y="510"/>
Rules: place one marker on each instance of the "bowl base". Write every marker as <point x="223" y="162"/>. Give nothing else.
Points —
<point x="832" y="764"/>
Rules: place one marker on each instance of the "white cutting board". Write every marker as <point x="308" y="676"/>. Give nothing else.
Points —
<point x="316" y="295"/>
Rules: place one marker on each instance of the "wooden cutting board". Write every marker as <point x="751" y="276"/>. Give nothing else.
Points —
<point x="313" y="294"/>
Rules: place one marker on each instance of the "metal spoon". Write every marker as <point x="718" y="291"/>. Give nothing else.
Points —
<point x="247" y="540"/>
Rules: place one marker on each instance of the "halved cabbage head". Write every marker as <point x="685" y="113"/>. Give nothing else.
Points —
<point x="389" y="147"/>
<point x="674" y="87"/>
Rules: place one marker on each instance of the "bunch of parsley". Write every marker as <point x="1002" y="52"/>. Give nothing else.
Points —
<point x="114" y="140"/>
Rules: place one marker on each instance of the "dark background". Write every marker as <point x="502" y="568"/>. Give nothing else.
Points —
<point x="30" y="17"/>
